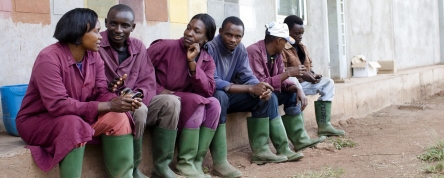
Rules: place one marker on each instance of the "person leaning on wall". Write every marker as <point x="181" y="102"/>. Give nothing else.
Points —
<point x="67" y="103"/>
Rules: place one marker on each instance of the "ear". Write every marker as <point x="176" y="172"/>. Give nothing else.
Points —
<point x="134" y="26"/>
<point x="220" y="31"/>
<point x="105" y="21"/>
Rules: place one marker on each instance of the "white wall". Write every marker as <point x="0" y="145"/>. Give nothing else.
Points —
<point x="416" y="33"/>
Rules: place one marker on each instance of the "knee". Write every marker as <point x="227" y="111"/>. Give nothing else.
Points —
<point x="120" y="121"/>
<point x="214" y="106"/>
<point x="140" y="115"/>
<point x="221" y="96"/>
<point x="170" y="102"/>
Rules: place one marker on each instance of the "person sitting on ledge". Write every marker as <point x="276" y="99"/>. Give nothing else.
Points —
<point x="296" y="54"/>
<point x="266" y="62"/>
<point x="68" y="102"/>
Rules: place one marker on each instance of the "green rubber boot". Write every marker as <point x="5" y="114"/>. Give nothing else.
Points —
<point x="279" y="139"/>
<point x="118" y="153"/>
<point x="323" y="113"/>
<point x="205" y="137"/>
<point x="294" y="125"/>
<point x="71" y="165"/>
<point x="188" y="146"/>
<point x="258" y="133"/>
<point x="218" y="149"/>
<point x="137" y="144"/>
<point x="163" y="151"/>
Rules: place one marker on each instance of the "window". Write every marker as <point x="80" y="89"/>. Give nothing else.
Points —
<point x="285" y="8"/>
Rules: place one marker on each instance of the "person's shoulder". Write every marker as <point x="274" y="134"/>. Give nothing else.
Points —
<point x="253" y="47"/>
<point x="164" y="42"/>
<point x="138" y="44"/>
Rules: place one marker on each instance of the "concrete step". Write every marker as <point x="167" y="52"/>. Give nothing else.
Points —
<point x="356" y="97"/>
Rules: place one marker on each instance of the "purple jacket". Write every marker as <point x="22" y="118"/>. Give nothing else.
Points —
<point x="257" y="53"/>
<point x="169" y="58"/>
<point x="138" y="67"/>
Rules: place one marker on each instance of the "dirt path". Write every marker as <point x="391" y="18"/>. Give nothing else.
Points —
<point x="388" y="143"/>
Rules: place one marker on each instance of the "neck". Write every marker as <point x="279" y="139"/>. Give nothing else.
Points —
<point x="77" y="52"/>
<point x="270" y="49"/>
<point x="118" y="46"/>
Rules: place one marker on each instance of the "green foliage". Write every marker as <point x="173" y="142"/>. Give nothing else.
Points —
<point x="435" y="169"/>
<point x="340" y="143"/>
<point x="326" y="172"/>
<point x="434" y="153"/>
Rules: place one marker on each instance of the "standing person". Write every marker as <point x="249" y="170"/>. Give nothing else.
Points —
<point x="238" y="90"/>
<point x="185" y="69"/>
<point x="266" y="63"/>
<point x="126" y="58"/>
<point x="67" y="103"/>
<point x="312" y="83"/>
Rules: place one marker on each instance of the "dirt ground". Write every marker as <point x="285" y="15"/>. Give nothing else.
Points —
<point x="388" y="143"/>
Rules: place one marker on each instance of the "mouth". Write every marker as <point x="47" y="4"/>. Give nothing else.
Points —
<point x="231" y="45"/>
<point x="118" y="37"/>
<point x="189" y="41"/>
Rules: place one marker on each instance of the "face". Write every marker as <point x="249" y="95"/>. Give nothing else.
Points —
<point x="231" y="35"/>
<point x="195" y="33"/>
<point x="91" y="39"/>
<point x="280" y="45"/>
<point x="119" y="24"/>
<point x="296" y="32"/>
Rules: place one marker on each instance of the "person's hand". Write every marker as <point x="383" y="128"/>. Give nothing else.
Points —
<point x="308" y="77"/>
<point x="260" y="88"/>
<point x="302" y="98"/>
<point x="317" y="77"/>
<point x="266" y="95"/>
<point x="122" y="104"/>
<point x="167" y="92"/>
<point x="296" y="71"/>
<point x="193" y="51"/>
<point x="117" y="82"/>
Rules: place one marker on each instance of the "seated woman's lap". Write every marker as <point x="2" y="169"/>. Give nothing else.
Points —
<point x="205" y="115"/>
<point x="112" y="123"/>
<point x="44" y="130"/>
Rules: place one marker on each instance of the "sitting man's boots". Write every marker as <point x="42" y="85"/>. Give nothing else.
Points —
<point x="163" y="144"/>
<point x="294" y="125"/>
<point x="258" y="134"/>
<point x="118" y="153"/>
<point x="137" y="144"/>
<point x="323" y="113"/>
<point x="218" y="149"/>
<point x="71" y="165"/>
<point x="279" y="139"/>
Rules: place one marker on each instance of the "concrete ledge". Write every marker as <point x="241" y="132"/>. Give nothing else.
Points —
<point x="356" y="97"/>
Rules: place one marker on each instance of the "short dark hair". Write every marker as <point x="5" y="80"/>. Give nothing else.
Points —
<point x="269" y="38"/>
<point x="234" y="20"/>
<point x="74" y="24"/>
<point x="121" y="8"/>
<point x="210" y="25"/>
<point x="293" y="19"/>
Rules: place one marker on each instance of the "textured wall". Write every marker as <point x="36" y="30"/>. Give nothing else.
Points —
<point x="316" y="36"/>
<point x="416" y="33"/>
<point x="369" y="28"/>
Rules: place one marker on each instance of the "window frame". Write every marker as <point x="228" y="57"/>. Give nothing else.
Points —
<point x="302" y="4"/>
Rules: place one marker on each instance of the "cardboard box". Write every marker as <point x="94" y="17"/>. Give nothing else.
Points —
<point x="387" y="67"/>
<point x="363" y="68"/>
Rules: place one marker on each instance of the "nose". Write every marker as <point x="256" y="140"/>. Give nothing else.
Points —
<point x="100" y="36"/>
<point x="233" y="39"/>
<point x="119" y="29"/>
<point x="188" y="32"/>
